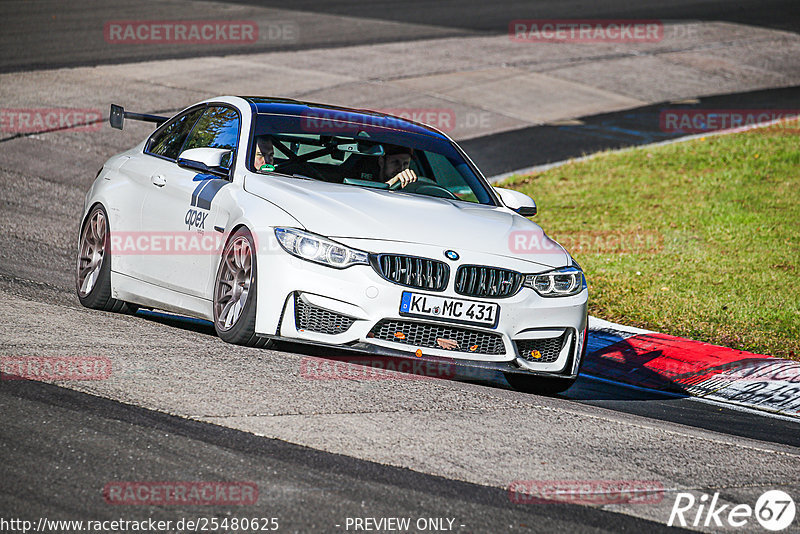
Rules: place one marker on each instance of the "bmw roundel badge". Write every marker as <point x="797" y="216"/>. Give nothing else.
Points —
<point x="451" y="255"/>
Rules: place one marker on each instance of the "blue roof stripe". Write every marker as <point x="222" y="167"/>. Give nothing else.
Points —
<point x="282" y="106"/>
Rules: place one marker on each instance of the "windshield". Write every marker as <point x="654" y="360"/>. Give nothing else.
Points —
<point x="363" y="155"/>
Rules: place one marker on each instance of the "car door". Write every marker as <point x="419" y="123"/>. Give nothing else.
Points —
<point x="183" y="209"/>
<point x="145" y="174"/>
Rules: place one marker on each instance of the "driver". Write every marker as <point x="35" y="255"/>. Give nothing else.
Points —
<point x="393" y="165"/>
<point x="265" y="154"/>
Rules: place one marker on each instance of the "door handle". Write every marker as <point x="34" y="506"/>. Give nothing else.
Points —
<point x="158" y="180"/>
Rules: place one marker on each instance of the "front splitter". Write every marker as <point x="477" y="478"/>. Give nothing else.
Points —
<point x="361" y="353"/>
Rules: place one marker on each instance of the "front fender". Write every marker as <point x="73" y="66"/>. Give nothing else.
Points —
<point x="238" y="209"/>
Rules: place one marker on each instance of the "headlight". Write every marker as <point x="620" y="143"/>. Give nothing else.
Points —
<point x="562" y="282"/>
<point x="318" y="249"/>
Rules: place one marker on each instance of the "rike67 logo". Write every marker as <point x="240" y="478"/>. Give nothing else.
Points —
<point x="774" y="510"/>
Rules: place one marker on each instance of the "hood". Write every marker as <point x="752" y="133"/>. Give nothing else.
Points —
<point x="349" y="211"/>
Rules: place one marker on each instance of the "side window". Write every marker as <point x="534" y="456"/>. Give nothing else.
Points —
<point x="217" y="128"/>
<point x="168" y="142"/>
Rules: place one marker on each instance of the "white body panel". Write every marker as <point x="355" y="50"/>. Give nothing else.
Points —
<point x="148" y="195"/>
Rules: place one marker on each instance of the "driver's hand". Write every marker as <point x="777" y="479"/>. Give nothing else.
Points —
<point x="405" y="178"/>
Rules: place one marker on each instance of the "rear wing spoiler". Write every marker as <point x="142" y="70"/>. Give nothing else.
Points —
<point x="118" y="115"/>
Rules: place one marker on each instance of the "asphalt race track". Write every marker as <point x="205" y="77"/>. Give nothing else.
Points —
<point x="181" y="405"/>
<point x="103" y="440"/>
<point x="606" y="131"/>
<point x="45" y="35"/>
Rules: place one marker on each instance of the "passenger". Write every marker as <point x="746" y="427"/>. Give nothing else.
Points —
<point x="265" y="154"/>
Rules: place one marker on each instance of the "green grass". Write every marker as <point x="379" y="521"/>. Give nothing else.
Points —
<point x="697" y="239"/>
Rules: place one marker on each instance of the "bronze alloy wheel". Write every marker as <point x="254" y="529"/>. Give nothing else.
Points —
<point x="93" y="269"/>
<point x="235" y="292"/>
<point x="92" y="252"/>
<point x="234" y="280"/>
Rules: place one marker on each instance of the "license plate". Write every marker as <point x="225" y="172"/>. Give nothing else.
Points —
<point x="448" y="309"/>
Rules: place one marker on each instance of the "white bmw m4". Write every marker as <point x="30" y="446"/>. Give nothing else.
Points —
<point x="285" y="220"/>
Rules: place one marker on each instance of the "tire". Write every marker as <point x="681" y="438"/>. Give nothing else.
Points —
<point x="235" y="293"/>
<point x="539" y="385"/>
<point x="93" y="271"/>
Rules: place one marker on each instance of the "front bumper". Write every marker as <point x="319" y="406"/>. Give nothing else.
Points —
<point x="364" y="299"/>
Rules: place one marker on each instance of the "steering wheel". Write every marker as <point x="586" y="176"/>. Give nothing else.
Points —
<point x="305" y="165"/>
<point x="425" y="186"/>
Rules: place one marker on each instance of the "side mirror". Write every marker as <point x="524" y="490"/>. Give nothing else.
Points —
<point x="519" y="202"/>
<point x="213" y="160"/>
